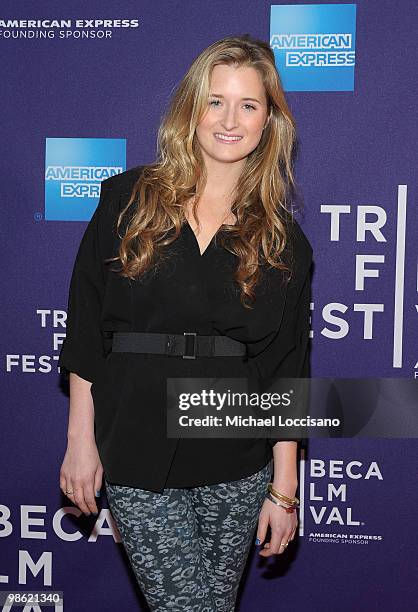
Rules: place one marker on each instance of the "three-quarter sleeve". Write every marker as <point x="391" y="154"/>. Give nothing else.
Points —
<point x="82" y="350"/>
<point x="297" y="363"/>
<point x="288" y="354"/>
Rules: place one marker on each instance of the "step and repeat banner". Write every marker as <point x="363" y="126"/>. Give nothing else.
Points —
<point x="83" y="89"/>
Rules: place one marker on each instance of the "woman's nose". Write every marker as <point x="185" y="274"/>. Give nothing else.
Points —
<point x="230" y="120"/>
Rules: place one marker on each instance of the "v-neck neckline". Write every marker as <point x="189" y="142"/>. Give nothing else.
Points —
<point x="201" y="255"/>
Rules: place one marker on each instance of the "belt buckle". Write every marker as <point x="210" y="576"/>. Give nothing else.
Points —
<point x="194" y="345"/>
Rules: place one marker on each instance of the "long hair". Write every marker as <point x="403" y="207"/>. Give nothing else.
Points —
<point x="260" y="202"/>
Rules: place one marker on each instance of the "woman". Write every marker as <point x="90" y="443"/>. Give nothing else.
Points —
<point x="212" y="280"/>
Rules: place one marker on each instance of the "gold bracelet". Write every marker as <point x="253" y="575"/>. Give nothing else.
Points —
<point x="285" y="508"/>
<point x="284" y="498"/>
<point x="292" y="501"/>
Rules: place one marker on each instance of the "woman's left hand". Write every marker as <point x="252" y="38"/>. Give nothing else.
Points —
<point x="283" y="528"/>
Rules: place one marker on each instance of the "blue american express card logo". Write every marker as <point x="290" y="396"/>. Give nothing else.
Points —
<point x="314" y="46"/>
<point x="74" y="169"/>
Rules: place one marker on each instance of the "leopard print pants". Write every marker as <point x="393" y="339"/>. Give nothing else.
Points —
<point x="188" y="547"/>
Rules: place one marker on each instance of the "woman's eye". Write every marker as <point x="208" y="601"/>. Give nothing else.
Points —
<point x="216" y="103"/>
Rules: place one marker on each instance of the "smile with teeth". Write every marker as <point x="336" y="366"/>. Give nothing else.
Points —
<point x="225" y="138"/>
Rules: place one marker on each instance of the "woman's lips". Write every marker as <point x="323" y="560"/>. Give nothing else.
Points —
<point x="227" y="139"/>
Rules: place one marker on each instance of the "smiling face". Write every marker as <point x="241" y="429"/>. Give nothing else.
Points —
<point x="237" y="112"/>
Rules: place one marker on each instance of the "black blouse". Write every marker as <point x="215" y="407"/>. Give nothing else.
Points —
<point x="188" y="292"/>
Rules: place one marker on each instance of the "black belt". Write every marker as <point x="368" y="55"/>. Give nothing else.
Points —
<point x="188" y="345"/>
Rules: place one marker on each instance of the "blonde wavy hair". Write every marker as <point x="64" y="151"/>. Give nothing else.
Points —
<point x="259" y="236"/>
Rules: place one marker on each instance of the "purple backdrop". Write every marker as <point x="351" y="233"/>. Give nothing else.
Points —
<point x="356" y="148"/>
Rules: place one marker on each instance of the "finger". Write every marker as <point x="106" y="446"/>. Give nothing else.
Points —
<point x="79" y="498"/>
<point x="283" y="546"/>
<point x="273" y="547"/>
<point x="98" y="481"/>
<point x="63" y="484"/>
<point x="262" y="528"/>
<point x="264" y="552"/>
<point x="89" y="497"/>
<point x="68" y="487"/>
<point x="275" y="542"/>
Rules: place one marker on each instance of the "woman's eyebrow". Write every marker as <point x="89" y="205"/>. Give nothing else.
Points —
<point x="214" y="95"/>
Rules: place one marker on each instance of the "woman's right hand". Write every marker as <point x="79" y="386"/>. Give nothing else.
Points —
<point x="82" y="473"/>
